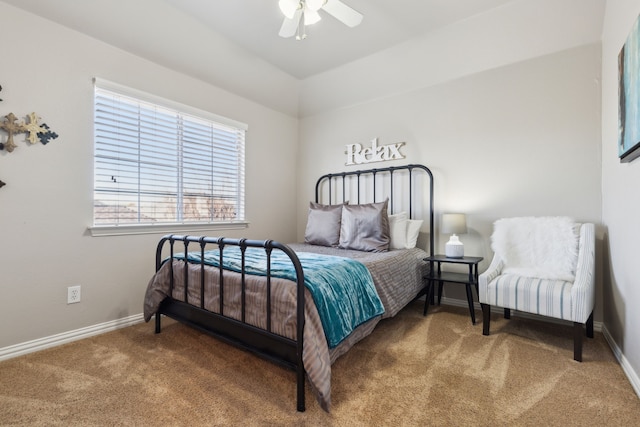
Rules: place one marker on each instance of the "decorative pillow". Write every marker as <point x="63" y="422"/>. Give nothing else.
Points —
<point x="541" y="247"/>
<point x="323" y="224"/>
<point x="403" y="232"/>
<point x="365" y="227"/>
<point x="398" y="230"/>
<point x="413" y="231"/>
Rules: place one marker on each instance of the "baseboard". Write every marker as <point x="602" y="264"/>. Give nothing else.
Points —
<point x="631" y="374"/>
<point x="66" y="337"/>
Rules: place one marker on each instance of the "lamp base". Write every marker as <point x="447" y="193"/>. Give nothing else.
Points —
<point x="454" y="248"/>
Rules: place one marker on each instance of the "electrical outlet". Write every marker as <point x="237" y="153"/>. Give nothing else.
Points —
<point x="73" y="294"/>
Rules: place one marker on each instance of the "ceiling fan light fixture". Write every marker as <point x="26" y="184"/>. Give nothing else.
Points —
<point x="315" y="5"/>
<point x="300" y="13"/>
<point x="289" y="7"/>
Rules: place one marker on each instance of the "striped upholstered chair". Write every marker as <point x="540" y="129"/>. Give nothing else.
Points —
<point x="545" y="266"/>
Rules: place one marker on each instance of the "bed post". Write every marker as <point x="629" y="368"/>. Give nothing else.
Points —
<point x="158" y="265"/>
<point x="300" y="320"/>
<point x="158" y="322"/>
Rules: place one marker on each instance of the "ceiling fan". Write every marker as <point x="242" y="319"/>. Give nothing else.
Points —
<point x="300" y="13"/>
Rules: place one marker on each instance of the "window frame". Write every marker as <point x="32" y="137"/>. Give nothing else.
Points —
<point x="163" y="227"/>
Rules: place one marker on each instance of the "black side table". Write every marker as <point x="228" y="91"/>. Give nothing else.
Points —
<point x="437" y="275"/>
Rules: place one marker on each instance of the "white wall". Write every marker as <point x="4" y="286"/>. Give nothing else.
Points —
<point x="503" y="106"/>
<point x="621" y="200"/>
<point x="46" y="206"/>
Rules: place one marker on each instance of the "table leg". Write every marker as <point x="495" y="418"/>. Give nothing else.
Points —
<point x="429" y="296"/>
<point x="470" y="301"/>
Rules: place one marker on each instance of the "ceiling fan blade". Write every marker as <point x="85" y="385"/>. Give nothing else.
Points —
<point x="311" y="17"/>
<point x="290" y="26"/>
<point x="343" y="13"/>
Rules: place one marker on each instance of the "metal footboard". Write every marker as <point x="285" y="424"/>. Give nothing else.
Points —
<point x="263" y="342"/>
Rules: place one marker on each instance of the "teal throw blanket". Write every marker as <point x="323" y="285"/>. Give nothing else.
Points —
<point x="342" y="288"/>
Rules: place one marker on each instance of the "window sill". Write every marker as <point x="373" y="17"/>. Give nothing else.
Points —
<point x="131" y="229"/>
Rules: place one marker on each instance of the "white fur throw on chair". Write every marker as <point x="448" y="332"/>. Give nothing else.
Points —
<point x="540" y="247"/>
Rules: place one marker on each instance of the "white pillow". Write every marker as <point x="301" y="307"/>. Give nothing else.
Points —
<point x="413" y="230"/>
<point x="403" y="231"/>
<point x="398" y="230"/>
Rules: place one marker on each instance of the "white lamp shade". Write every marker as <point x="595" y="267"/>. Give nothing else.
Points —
<point x="454" y="223"/>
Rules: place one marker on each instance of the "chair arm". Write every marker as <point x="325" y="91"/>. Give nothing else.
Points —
<point x="494" y="270"/>
<point x="583" y="289"/>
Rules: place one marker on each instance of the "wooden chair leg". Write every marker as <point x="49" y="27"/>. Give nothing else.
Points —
<point x="486" y="318"/>
<point x="590" y="326"/>
<point x="577" y="341"/>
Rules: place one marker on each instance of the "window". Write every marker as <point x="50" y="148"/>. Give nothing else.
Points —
<point x="158" y="162"/>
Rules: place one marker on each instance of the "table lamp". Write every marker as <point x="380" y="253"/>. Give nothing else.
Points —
<point x="454" y="223"/>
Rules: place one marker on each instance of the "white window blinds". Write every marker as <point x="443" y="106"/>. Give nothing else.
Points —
<point x="157" y="162"/>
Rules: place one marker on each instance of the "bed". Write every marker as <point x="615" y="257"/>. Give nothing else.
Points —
<point x="303" y="305"/>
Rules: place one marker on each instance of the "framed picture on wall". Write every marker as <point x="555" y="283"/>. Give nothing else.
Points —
<point x="629" y="96"/>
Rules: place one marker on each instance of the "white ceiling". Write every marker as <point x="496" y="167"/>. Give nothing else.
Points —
<point x="234" y="45"/>
<point x="252" y="26"/>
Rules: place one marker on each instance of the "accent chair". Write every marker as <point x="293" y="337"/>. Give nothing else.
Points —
<point x="544" y="266"/>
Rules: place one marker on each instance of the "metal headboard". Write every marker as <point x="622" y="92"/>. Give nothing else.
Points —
<point x="337" y="184"/>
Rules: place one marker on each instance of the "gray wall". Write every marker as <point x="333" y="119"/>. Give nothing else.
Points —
<point x="46" y="206"/>
<point x="620" y="203"/>
<point x="517" y="140"/>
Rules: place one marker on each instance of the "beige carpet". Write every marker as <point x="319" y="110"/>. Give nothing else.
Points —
<point x="413" y="370"/>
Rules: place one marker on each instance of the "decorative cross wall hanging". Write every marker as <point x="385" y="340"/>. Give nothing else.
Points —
<point x="34" y="130"/>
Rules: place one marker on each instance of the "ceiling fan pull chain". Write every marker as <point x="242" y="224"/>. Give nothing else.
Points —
<point x="301" y="34"/>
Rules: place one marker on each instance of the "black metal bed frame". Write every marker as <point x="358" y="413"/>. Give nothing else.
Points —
<point x="263" y="342"/>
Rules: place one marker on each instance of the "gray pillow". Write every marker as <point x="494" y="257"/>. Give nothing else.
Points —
<point x="323" y="224"/>
<point x="365" y="227"/>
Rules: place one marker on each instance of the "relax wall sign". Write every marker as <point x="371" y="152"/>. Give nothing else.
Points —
<point x="357" y="154"/>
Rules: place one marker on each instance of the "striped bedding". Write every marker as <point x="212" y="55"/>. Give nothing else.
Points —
<point x="397" y="276"/>
<point x="342" y="287"/>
